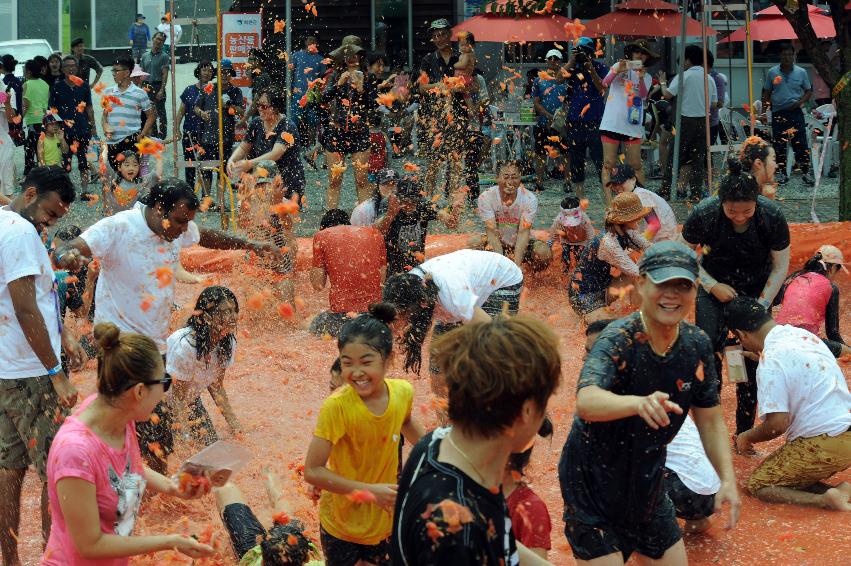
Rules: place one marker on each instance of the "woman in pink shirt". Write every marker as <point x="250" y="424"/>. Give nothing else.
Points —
<point x="809" y="298"/>
<point x="95" y="473"/>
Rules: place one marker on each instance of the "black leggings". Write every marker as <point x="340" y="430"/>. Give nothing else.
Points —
<point x="709" y="315"/>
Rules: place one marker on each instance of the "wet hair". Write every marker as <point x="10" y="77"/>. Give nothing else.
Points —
<point x="124" y="359"/>
<point x="411" y="294"/>
<point x="569" y="202"/>
<point x="209" y="299"/>
<point x="33" y="67"/>
<point x="51" y="179"/>
<point x="815" y="264"/>
<point x="500" y="165"/>
<point x="738" y="185"/>
<point x="753" y="148"/>
<point x="745" y="314"/>
<point x="492" y="368"/>
<point x="203" y="64"/>
<point x="334" y="217"/>
<point x="129" y="154"/>
<point x="277" y="98"/>
<point x="518" y="461"/>
<point x="373" y="57"/>
<point x="370" y="329"/>
<point x="77" y="41"/>
<point x="126" y="61"/>
<point x="694" y="55"/>
<point x="336" y="367"/>
<point x="68" y="233"/>
<point x="276" y="548"/>
<point x="169" y="192"/>
<point x="598" y="326"/>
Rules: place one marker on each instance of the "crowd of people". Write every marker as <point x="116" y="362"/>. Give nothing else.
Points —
<point x="648" y="443"/>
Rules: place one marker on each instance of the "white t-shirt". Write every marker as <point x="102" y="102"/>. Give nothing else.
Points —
<point x="508" y="218"/>
<point x="615" y="116"/>
<point x="178" y="31"/>
<point x="364" y="213"/>
<point x="662" y="210"/>
<point x="687" y="458"/>
<point x="22" y="253"/>
<point x="465" y="279"/>
<point x="694" y="95"/>
<point x="128" y="290"/>
<point x="798" y="375"/>
<point x="182" y="361"/>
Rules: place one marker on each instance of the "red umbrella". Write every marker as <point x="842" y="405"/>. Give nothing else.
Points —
<point x="774" y="27"/>
<point x="644" y="18"/>
<point x="492" y="27"/>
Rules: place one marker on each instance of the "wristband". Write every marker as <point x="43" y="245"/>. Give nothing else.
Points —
<point x="54" y="371"/>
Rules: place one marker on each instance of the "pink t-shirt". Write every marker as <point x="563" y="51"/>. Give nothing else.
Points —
<point x="805" y="302"/>
<point x="119" y="479"/>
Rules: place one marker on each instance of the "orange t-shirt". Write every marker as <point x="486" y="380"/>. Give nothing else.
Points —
<point x="352" y="256"/>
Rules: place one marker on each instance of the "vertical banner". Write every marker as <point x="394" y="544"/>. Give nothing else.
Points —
<point x="241" y="32"/>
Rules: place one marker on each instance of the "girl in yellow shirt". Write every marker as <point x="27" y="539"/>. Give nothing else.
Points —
<point x="353" y="457"/>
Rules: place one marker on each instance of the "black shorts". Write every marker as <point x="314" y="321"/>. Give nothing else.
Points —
<point x="689" y="505"/>
<point x="243" y="527"/>
<point x="505" y="297"/>
<point x="650" y="539"/>
<point x="541" y="135"/>
<point x="344" y="553"/>
<point x="345" y="142"/>
<point x="585" y="303"/>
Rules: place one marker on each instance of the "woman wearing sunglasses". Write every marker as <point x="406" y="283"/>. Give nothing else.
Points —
<point x="96" y="477"/>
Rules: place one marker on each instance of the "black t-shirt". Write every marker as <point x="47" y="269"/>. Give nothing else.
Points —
<point x="347" y="108"/>
<point x="611" y="472"/>
<point x="485" y="540"/>
<point x="436" y="67"/>
<point x="406" y="237"/>
<point x="231" y="98"/>
<point x="289" y="165"/>
<point x="741" y="260"/>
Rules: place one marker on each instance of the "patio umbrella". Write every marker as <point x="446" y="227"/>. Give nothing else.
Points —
<point x="771" y="25"/>
<point x="644" y="18"/>
<point x="508" y="29"/>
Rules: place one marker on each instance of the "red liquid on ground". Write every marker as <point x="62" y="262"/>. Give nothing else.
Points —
<point x="280" y="379"/>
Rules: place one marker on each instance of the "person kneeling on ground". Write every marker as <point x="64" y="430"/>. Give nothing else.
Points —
<point x="590" y="288"/>
<point x="802" y="393"/>
<point x="508" y="212"/>
<point x="354" y="259"/>
<point x="449" y="508"/>
<point x="574" y="230"/>
<point x="285" y="544"/>
<point x="690" y="479"/>
<point x="809" y="297"/>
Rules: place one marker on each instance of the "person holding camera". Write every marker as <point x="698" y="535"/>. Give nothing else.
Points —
<point x="586" y="104"/>
<point x="623" y="118"/>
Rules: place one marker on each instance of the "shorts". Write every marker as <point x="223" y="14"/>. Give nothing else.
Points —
<point x="243" y="527"/>
<point x="328" y="322"/>
<point x="345" y="142"/>
<point x="585" y="303"/>
<point x="541" y="135"/>
<point x="615" y="138"/>
<point x="30" y="416"/>
<point x="651" y="539"/>
<point x="688" y="505"/>
<point x="803" y="462"/>
<point x="528" y="256"/>
<point x="344" y="553"/>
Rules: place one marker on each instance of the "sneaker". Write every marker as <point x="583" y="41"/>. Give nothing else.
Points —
<point x="568" y="189"/>
<point x="781" y="178"/>
<point x="834" y="171"/>
<point x="808" y="180"/>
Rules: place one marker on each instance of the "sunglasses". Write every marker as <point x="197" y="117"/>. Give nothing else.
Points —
<point x="165" y="381"/>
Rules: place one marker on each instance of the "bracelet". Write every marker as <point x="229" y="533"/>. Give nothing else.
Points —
<point x="54" y="371"/>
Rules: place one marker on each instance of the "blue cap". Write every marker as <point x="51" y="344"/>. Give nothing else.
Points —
<point x="226" y="64"/>
<point x="585" y="43"/>
<point x="666" y="261"/>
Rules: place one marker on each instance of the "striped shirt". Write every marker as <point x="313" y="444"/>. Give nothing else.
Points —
<point x="126" y="120"/>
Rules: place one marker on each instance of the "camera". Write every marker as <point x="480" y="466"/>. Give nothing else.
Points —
<point x="580" y="56"/>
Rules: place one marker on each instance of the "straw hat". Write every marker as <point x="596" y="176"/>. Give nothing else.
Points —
<point x="351" y="45"/>
<point x="642" y="45"/>
<point x="626" y="207"/>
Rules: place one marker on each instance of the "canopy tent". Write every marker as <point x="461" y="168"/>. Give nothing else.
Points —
<point x="645" y="18"/>
<point x="508" y="29"/>
<point x="771" y="25"/>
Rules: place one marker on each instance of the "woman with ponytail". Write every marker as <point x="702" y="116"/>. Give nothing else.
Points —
<point x="744" y="240"/>
<point x="810" y="298"/>
<point x="757" y="157"/>
<point x="95" y="473"/>
<point x="354" y="455"/>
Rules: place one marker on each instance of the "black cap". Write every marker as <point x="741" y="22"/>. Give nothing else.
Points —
<point x="621" y="173"/>
<point x="665" y="261"/>
<point x="386" y="175"/>
<point x="9" y="60"/>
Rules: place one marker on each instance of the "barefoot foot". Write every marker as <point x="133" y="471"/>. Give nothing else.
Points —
<point x="837" y="499"/>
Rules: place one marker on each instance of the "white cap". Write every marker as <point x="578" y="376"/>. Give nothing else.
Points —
<point x="554" y="53"/>
<point x="832" y="254"/>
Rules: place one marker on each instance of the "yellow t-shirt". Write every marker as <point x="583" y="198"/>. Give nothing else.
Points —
<point x="366" y="449"/>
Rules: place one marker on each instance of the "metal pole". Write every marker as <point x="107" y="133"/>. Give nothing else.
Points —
<point x="411" y="34"/>
<point x="173" y="84"/>
<point x="223" y="213"/>
<point x="706" y="79"/>
<point x="749" y="47"/>
<point x="289" y="47"/>
<point x="681" y="53"/>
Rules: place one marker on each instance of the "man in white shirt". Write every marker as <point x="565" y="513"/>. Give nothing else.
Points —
<point x="165" y="28"/>
<point x="692" y="88"/>
<point x="661" y="223"/>
<point x="35" y="393"/>
<point x="803" y="394"/>
<point x="508" y="212"/>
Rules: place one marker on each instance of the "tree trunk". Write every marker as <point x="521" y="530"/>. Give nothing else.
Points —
<point x="843" y="118"/>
